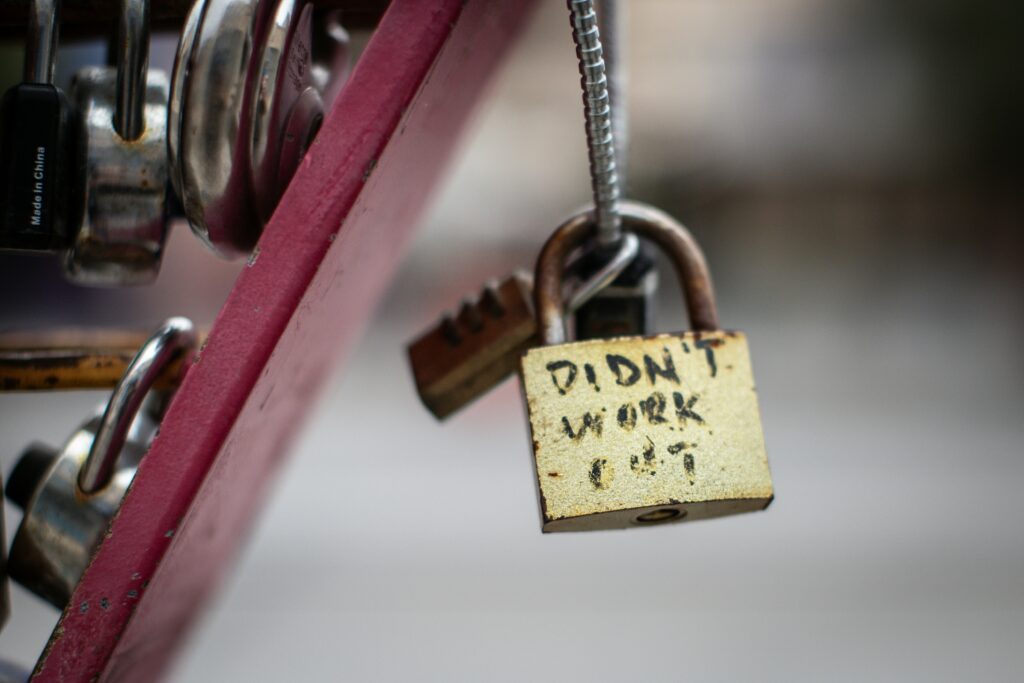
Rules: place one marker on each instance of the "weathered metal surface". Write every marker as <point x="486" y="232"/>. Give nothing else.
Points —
<point x="60" y="526"/>
<point x="464" y="356"/>
<point x="632" y="431"/>
<point x="319" y="269"/>
<point x="74" y="359"/>
<point x="647" y="222"/>
<point x="123" y="204"/>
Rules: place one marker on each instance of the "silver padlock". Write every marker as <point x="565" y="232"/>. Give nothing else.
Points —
<point x="284" y="77"/>
<point x="123" y="140"/>
<point x="227" y="80"/>
<point x="69" y="498"/>
<point x="246" y="102"/>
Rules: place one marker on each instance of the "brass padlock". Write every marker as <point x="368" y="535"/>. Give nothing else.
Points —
<point x="634" y="431"/>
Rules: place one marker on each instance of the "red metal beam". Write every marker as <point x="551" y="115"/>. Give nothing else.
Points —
<point x="314" y="280"/>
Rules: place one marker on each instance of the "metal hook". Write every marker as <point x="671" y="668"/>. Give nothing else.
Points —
<point x="628" y="249"/>
<point x="41" y="55"/>
<point x="173" y="337"/>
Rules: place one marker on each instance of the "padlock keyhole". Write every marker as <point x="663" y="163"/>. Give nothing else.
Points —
<point x="658" y="516"/>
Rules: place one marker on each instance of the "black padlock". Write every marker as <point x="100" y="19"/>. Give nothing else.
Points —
<point x="623" y="308"/>
<point x="37" y="146"/>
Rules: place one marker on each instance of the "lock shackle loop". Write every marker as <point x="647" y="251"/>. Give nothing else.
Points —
<point x="629" y="247"/>
<point x="132" y="66"/>
<point x="175" y="336"/>
<point x="645" y="221"/>
<point x="41" y="45"/>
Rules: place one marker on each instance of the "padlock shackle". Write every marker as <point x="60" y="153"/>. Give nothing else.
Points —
<point x="41" y="43"/>
<point x="645" y="221"/>
<point x="132" y="66"/>
<point x="175" y="336"/>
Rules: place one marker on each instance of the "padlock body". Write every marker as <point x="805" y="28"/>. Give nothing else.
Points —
<point x="463" y="357"/>
<point x="123" y="204"/>
<point x="635" y="431"/>
<point x="61" y="527"/>
<point x="37" y="167"/>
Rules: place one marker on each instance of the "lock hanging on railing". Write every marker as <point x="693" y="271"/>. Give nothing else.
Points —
<point x="70" y="497"/>
<point x="639" y="430"/>
<point x="123" y="143"/>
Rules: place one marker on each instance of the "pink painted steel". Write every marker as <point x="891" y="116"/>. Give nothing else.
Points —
<point x="320" y="268"/>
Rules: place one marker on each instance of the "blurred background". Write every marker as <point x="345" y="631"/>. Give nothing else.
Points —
<point x="853" y="171"/>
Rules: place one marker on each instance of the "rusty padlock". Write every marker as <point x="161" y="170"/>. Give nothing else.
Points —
<point x="462" y="357"/>
<point x="634" y="431"/>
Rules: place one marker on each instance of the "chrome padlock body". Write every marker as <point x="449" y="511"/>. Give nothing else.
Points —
<point x="124" y="203"/>
<point x="284" y="76"/>
<point x="61" y="527"/>
<point x="74" y="497"/>
<point x="634" y="431"/>
<point x="242" y="69"/>
<point x="209" y="122"/>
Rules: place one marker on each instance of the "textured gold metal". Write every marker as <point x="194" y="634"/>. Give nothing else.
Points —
<point x="637" y="431"/>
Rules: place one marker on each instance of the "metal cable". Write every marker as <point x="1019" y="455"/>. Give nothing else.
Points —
<point x="599" y="126"/>
<point x="612" y="22"/>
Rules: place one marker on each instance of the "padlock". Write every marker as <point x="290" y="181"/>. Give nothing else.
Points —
<point x="210" y="122"/>
<point x="461" y="358"/>
<point x="241" y="85"/>
<point x="283" y="94"/>
<point x="634" y="431"/>
<point x="38" y="166"/>
<point x="123" y="142"/>
<point x="465" y="355"/>
<point x="69" y="498"/>
<point x="623" y="308"/>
